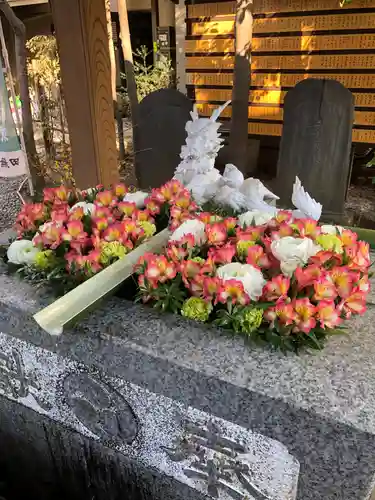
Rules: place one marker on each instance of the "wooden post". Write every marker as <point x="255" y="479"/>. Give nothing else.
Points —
<point x="82" y="38"/>
<point x="116" y="107"/>
<point x="131" y="85"/>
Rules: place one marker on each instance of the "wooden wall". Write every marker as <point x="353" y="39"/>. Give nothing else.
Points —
<point x="293" y="40"/>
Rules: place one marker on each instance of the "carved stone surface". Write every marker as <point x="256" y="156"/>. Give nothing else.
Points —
<point x="321" y="406"/>
<point x="162" y="118"/>
<point x="100" y="408"/>
<point x="316" y="142"/>
<point x="208" y="454"/>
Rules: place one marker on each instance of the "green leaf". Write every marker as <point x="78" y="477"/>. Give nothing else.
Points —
<point x="315" y="344"/>
<point x="337" y="331"/>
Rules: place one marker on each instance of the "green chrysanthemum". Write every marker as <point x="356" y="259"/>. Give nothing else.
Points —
<point x="44" y="260"/>
<point x="330" y="242"/>
<point x="251" y="320"/>
<point x="196" y="308"/>
<point x="242" y="247"/>
<point x="148" y="228"/>
<point x="198" y="259"/>
<point x="112" y="250"/>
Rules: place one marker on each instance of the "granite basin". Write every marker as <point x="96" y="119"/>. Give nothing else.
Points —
<point x="319" y="406"/>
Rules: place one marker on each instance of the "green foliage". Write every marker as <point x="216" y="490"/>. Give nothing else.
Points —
<point x="150" y="78"/>
<point x="240" y="319"/>
<point x="57" y="280"/>
<point x="221" y="211"/>
<point x="43" y="63"/>
<point x="167" y="297"/>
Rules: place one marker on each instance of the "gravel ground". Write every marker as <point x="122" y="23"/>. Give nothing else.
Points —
<point x="10" y="203"/>
<point x="361" y="201"/>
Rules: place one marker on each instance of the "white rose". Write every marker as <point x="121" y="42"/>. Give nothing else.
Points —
<point x="22" y="252"/>
<point x="251" y="278"/>
<point x="138" y="198"/>
<point x="254" y="217"/>
<point x="194" y="227"/>
<point x="328" y="229"/>
<point x="88" y="208"/>
<point x="293" y="252"/>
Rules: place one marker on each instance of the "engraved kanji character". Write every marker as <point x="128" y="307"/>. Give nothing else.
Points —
<point x="217" y="461"/>
<point x="4" y="163"/>
<point x="14" y="161"/>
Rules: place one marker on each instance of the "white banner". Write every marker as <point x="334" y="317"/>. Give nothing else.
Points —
<point x="12" y="158"/>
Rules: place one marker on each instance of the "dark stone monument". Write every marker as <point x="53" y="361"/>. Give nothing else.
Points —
<point x="162" y="118"/>
<point x="316" y="143"/>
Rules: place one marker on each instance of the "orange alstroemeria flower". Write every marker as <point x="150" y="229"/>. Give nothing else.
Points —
<point x="105" y="199"/>
<point x="306" y="276"/>
<point x="324" y="290"/>
<point x="327" y="314"/>
<point x="283" y="312"/>
<point x="354" y="304"/>
<point x="307" y="228"/>
<point x="222" y="255"/>
<point x="160" y="269"/>
<point x="126" y="208"/>
<point x="233" y="291"/>
<point x="211" y="287"/>
<point x="257" y="257"/>
<point x="304" y="320"/>
<point x="114" y="232"/>
<point x="359" y="256"/>
<point x="276" y="288"/>
<point x="216" y="233"/>
<point x="120" y="190"/>
<point x="343" y="280"/>
<point x="52" y="235"/>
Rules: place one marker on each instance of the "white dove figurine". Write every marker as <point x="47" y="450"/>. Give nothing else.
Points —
<point x="204" y="186"/>
<point x="232" y="197"/>
<point x="232" y="176"/>
<point x="231" y="189"/>
<point x="307" y="207"/>
<point x="256" y="193"/>
<point x="256" y="190"/>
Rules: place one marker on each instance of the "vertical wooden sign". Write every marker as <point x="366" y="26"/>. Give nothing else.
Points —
<point x="82" y="38"/>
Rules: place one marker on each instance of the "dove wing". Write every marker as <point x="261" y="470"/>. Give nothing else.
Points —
<point x="301" y="199"/>
<point x="215" y="115"/>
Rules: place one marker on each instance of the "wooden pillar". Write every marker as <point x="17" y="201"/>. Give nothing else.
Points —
<point x="81" y="32"/>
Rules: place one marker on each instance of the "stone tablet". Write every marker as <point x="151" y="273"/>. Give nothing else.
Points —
<point x="162" y="118"/>
<point x="211" y="456"/>
<point x="316" y="143"/>
<point x="321" y="407"/>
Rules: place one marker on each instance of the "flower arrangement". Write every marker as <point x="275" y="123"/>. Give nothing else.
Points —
<point x="71" y="235"/>
<point x="275" y="279"/>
